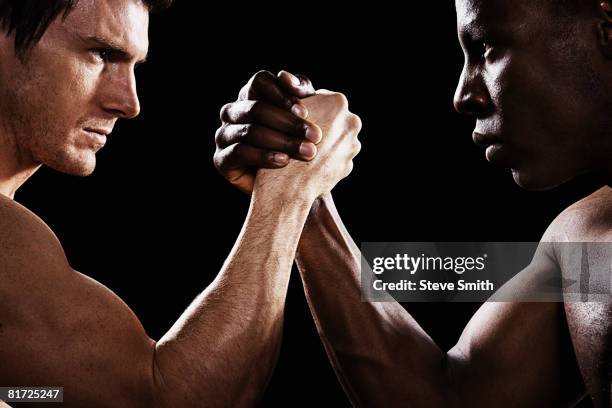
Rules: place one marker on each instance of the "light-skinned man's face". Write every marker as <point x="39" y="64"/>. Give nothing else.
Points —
<point x="537" y="86"/>
<point x="59" y="101"/>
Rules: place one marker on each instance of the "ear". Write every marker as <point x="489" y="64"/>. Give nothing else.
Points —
<point x="604" y="28"/>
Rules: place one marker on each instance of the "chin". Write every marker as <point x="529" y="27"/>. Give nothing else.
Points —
<point x="82" y="167"/>
<point x="532" y="182"/>
<point x="83" y="172"/>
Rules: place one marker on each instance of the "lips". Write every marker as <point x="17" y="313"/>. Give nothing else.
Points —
<point x="485" y="140"/>
<point x="493" y="145"/>
<point x="100" y="131"/>
<point x="95" y="137"/>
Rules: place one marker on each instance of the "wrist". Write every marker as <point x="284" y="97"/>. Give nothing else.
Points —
<point x="276" y="199"/>
<point x="280" y="190"/>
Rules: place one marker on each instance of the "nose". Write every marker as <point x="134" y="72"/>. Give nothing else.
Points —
<point x="120" y="97"/>
<point x="471" y="96"/>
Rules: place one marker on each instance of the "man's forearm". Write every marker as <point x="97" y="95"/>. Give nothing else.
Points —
<point x="380" y="353"/>
<point x="222" y="350"/>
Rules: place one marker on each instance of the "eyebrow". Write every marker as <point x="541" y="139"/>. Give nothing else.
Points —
<point x="119" y="52"/>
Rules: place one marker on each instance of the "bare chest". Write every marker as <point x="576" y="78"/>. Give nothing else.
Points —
<point x="586" y="269"/>
<point x="590" y="326"/>
<point x="585" y="259"/>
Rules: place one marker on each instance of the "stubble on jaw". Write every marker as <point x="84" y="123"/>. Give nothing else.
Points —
<point x="30" y="120"/>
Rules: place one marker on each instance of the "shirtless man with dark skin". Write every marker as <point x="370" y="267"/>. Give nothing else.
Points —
<point x="61" y="93"/>
<point x="537" y="80"/>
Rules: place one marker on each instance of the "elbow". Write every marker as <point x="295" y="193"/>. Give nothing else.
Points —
<point x="155" y="390"/>
<point x="453" y="378"/>
<point x="175" y="381"/>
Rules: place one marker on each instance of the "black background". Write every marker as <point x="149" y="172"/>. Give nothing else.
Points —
<point x="155" y="221"/>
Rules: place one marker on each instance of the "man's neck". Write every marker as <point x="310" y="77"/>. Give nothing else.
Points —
<point x="9" y="185"/>
<point x="16" y="166"/>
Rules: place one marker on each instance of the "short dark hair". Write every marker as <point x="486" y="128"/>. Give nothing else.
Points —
<point x="29" y="19"/>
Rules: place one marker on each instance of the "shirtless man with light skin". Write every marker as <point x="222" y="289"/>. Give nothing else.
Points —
<point x="537" y="80"/>
<point x="60" y="97"/>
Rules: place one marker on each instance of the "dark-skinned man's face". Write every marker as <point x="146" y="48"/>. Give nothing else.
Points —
<point x="537" y="86"/>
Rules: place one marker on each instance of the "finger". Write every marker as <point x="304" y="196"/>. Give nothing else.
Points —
<point x="265" y="138"/>
<point x="241" y="177"/>
<point x="238" y="158"/>
<point x="265" y="114"/>
<point x="265" y="86"/>
<point x="296" y="85"/>
<point x="238" y="163"/>
<point x="356" y="148"/>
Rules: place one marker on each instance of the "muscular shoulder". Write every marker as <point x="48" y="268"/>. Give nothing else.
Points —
<point x="588" y="220"/>
<point x="27" y="245"/>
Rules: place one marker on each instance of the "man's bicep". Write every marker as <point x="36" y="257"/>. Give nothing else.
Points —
<point x="516" y="348"/>
<point x="512" y="352"/>
<point x="61" y="328"/>
<point x="78" y="335"/>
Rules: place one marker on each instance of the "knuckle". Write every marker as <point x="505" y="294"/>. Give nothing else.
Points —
<point x="219" y="134"/>
<point x="261" y="75"/>
<point x="219" y="160"/>
<point x="224" y="112"/>
<point x="354" y="122"/>
<point x="257" y="81"/>
<point x="357" y="148"/>
<point x="340" y="100"/>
